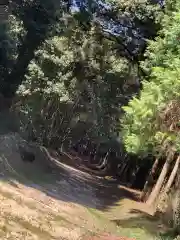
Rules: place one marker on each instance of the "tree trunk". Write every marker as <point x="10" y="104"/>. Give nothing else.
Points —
<point x="26" y="53"/>
<point x="172" y="176"/>
<point x="102" y="165"/>
<point x="149" y="179"/>
<point x="120" y="173"/>
<point x="124" y="174"/>
<point x="176" y="205"/>
<point x="156" y="190"/>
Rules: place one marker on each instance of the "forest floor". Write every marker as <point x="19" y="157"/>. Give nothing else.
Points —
<point x="64" y="203"/>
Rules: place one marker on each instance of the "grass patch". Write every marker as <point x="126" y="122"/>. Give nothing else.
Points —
<point x="96" y="213"/>
<point x="141" y="228"/>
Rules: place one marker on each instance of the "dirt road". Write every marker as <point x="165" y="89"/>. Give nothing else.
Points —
<point x="40" y="203"/>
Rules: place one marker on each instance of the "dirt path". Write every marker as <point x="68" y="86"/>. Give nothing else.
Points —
<point x="49" y="211"/>
<point x="38" y="203"/>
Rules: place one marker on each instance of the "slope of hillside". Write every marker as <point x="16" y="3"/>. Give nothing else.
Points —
<point x="54" y="201"/>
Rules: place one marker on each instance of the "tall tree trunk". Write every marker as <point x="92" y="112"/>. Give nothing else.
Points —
<point x="156" y="190"/>
<point x="149" y="179"/>
<point x="176" y="205"/>
<point x="172" y="176"/>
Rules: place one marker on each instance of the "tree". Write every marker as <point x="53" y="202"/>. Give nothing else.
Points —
<point x="86" y="62"/>
<point x="79" y="69"/>
<point x="152" y="119"/>
<point x="149" y="179"/>
<point x="39" y="17"/>
<point x="172" y="176"/>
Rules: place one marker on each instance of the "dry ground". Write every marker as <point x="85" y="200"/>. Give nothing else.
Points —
<point x="40" y="203"/>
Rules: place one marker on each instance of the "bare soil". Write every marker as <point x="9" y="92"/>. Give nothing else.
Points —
<point x="49" y="200"/>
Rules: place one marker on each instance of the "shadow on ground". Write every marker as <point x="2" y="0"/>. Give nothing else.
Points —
<point x="146" y="222"/>
<point x="69" y="185"/>
<point x="64" y="183"/>
<point x="57" y="180"/>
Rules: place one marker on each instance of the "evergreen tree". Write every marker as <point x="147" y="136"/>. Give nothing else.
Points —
<point x="151" y="121"/>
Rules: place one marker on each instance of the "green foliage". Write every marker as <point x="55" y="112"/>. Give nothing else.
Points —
<point x="142" y="131"/>
<point x="68" y="70"/>
<point x="79" y="68"/>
